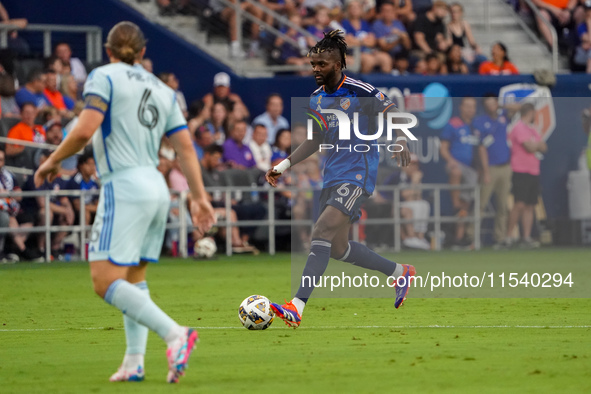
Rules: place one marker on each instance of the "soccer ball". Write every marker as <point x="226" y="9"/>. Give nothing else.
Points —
<point x="255" y="313"/>
<point x="205" y="247"/>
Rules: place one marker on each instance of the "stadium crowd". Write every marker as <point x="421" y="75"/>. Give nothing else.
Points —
<point x="236" y="147"/>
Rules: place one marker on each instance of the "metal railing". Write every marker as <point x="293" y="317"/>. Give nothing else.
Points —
<point x="271" y="222"/>
<point x="94" y="37"/>
<point x="532" y="35"/>
<point x="244" y="15"/>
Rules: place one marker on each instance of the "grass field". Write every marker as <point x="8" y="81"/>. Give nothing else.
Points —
<point x="56" y="336"/>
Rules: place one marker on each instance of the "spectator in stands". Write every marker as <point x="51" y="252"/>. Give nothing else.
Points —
<point x="401" y="65"/>
<point x="236" y="153"/>
<point x="558" y="13"/>
<point x="420" y="66"/>
<point x="64" y="52"/>
<point x="429" y="33"/>
<point x="282" y="146"/>
<point x="60" y="209"/>
<point x="500" y="64"/>
<point x="203" y="138"/>
<point x="228" y="15"/>
<point x="218" y="124"/>
<point x="272" y="118"/>
<point x="404" y="11"/>
<point x="455" y="63"/>
<point x="526" y="145"/>
<point x="32" y="92"/>
<point x="310" y="7"/>
<point x="63" y="104"/>
<point x="210" y="165"/>
<point x="8" y="105"/>
<point x="457" y="149"/>
<point x="85" y="179"/>
<point x="260" y="148"/>
<point x="198" y="115"/>
<point x="172" y="81"/>
<point x="359" y="33"/>
<point x="413" y="206"/>
<point x="15" y="43"/>
<point x="458" y="32"/>
<point x="434" y="64"/>
<point x="25" y="130"/>
<point x="496" y="178"/>
<point x="53" y="135"/>
<point x="222" y="94"/>
<point x="148" y="65"/>
<point x="390" y="32"/>
<point x="420" y="7"/>
<point x="583" y="50"/>
<point x="9" y="208"/>
<point x="320" y="24"/>
<point x="69" y="88"/>
<point x="290" y="54"/>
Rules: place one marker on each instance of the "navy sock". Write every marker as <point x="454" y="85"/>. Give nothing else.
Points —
<point x="361" y="256"/>
<point x="315" y="267"/>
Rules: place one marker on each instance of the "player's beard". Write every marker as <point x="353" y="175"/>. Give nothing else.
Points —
<point x="325" y="78"/>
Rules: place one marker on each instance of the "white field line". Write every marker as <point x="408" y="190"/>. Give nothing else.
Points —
<point x="303" y="328"/>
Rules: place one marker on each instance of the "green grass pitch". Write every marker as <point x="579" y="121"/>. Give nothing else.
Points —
<point x="56" y="336"/>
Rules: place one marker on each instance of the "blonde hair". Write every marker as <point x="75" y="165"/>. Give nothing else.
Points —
<point x="126" y="41"/>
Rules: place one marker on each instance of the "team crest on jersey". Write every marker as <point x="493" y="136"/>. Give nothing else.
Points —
<point x="540" y="97"/>
<point x="380" y="96"/>
<point x="345" y="103"/>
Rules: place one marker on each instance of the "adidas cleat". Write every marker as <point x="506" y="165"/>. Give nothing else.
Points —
<point x="402" y="286"/>
<point x="122" y="375"/>
<point x="178" y="355"/>
<point x="288" y="312"/>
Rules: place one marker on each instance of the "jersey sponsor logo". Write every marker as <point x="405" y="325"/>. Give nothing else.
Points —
<point x="345" y="103"/>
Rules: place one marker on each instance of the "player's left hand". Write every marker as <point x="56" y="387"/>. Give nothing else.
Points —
<point x="203" y="216"/>
<point x="402" y="157"/>
<point x="46" y="171"/>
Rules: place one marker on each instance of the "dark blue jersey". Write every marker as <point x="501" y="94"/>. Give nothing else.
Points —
<point x="343" y="163"/>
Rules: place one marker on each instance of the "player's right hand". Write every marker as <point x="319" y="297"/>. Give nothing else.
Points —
<point x="203" y="216"/>
<point x="271" y="177"/>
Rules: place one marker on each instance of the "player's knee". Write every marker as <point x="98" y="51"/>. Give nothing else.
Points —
<point x="323" y="231"/>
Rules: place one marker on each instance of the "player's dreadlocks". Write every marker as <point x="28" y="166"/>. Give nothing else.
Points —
<point x="333" y="40"/>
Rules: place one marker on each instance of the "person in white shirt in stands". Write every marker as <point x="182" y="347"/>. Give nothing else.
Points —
<point x="64" y="52"/>
<point x="260" y="148"/>
<point x="272" y="118"/>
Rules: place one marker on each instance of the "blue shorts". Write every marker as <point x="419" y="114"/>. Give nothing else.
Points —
<point x="345" y="197"/>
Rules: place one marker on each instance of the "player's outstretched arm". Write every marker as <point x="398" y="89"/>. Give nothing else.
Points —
<point x="201" y="209"/>
<point x="302" y="152"/>
<point x="89" y="121"/>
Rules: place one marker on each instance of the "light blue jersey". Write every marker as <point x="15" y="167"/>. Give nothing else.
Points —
<point x="134" y="201"/>
<point x="139" y="109"/>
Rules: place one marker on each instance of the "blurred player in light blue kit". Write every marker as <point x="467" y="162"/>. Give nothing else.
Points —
<point x="127" y="111"/>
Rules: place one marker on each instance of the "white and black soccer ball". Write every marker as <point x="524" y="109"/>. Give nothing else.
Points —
<point x="205" y="247"/>
<point x="255" y="313"/>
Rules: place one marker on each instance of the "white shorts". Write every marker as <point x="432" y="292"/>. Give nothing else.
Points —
<point x="131" y="217"/>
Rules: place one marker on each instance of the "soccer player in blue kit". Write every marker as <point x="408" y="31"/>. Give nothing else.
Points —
<point x="349" y="176"/>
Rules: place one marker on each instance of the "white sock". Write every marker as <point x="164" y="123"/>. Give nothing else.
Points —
<point x="136" y="334"/>
<point x="299" y="304"/>
<point x="235" y="44"/>
<point x="398" y="271"/>
<point x="133" y="362"/>
<point x="136" y="304"/>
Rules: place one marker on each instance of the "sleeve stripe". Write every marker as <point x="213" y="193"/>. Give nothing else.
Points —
<point x="176" y="129"/>
<point x="388" y="107"/>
